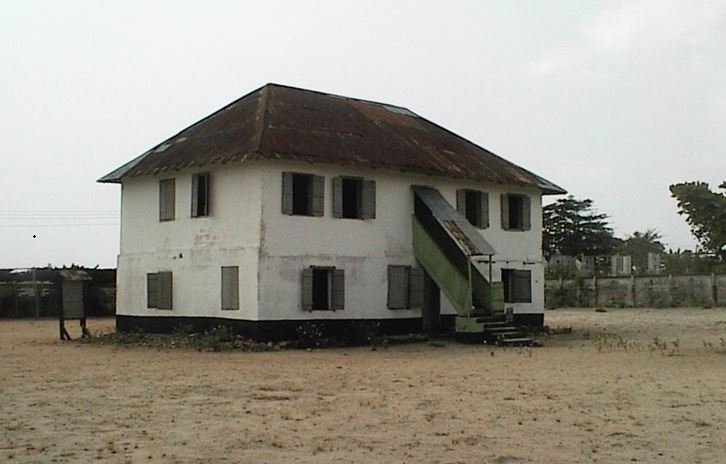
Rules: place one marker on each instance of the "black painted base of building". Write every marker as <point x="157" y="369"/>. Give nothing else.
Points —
<point x="278" y="330"/>
<point x="529" y="319"/>
<point x="289" y="329"/>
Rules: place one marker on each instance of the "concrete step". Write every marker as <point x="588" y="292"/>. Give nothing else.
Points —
<point x="508" y="334"/>
<point x="520" y="341"/>
<point x="503" y="327"/>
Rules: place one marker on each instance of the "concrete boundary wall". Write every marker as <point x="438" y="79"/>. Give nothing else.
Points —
<point x="641" y="291"/>
<point x="22" y="295"/>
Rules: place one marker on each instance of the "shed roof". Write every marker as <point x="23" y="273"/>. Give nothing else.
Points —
<point x="74" y="274"/>
<point x="287" y="123"/>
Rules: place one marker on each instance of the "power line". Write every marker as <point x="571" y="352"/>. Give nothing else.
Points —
<point x="79" y="213"/>
<point x="58" y="218"/>
<point x="58" y="211"/>
<point x="57" y="225"/>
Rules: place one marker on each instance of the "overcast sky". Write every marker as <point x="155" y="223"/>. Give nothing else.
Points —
<point x="613" y="100"/>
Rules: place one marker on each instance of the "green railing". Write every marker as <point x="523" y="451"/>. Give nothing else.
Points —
<point x="454" y="285"/>
<point x="444" y="243"/>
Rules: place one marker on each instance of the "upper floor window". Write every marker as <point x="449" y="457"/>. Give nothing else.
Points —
<point x="474" y="205"/>
<point x="302" y="194"/>
<point x="354" y="198"/>
<point x="166" y="199"/>
<point x="516" y="212"/>
<point x="200" y="194"/>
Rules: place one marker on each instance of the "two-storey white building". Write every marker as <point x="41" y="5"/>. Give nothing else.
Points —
<point x="289" y="205"/>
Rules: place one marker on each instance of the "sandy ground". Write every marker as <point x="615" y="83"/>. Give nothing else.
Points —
<point x="604" y="393"/>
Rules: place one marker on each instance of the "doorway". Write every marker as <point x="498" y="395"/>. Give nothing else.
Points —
<point x="431" y="311"/>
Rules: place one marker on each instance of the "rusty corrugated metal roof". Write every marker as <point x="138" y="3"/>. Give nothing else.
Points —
<point x="74" y="274"/>
<point x="286" y="123"/>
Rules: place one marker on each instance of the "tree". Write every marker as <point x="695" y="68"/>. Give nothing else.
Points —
<point x="639" y="245"/>
<point x="705" y="212"/>
<point x="687" y="262"/>
<point x="572" y="227"/>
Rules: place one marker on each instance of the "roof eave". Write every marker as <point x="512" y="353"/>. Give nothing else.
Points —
<point x="548" y="188"/>
<point x="115" y="176"/>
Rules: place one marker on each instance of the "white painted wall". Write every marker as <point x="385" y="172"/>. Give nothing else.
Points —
<point x="247" y="228"/>
<point x="193" y="249"/>
<point x="365" y="248"/>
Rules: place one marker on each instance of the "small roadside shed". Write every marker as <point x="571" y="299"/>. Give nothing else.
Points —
<point x="72" y="308"/>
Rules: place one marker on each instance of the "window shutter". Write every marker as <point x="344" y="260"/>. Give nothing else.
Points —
<point x="195" y="195"/>
<point x="165" y="290"/>
<point x="207" y="193"/>
<point x="338" y="197"/>
<point x="171" y="199"/>
<point x="505" y="211"/>
<point x="484" y="210"/>
<point x="286" y="193"/>
<point x="416" y="287"/>
<point x="369" y="199"/>
<point x="152" y="290"/>
<point x="230" y="287"/>
<point x="397" y="287"/>
<point x="166" y="199"/>
<point x="461" y="201"/>
<point x="522" y="286"/>
<point x="307" y="289"/>
<point x="338" y="302"/>
<point x="162" y="200"/>
<point x="526" y="213"/>
<point x="318" y="193"/>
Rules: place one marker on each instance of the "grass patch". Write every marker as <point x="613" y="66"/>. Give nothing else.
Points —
<point x="218" y="338"/>
<point x="309" y="335"/>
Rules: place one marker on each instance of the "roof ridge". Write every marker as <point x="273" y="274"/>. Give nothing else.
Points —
<point x="538" y="178"/>
<point x="542" y="182"/>
<point x="282" y="122"/>
<point x="264" y="97"/>
<point x="343" y="97"/>
<point x="116" y="174"/>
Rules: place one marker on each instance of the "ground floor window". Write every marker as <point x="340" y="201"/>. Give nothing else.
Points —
<point x="405" y="287"/>
<point x="323" y="289"/>
<point x="230" y="287"/>
<point x="159" y="290"/>
<point x="517" y="285"/>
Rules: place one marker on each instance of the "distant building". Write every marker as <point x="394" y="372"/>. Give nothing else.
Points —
<point x="621" y="265"/>
<point x="654" y="263"/>
<point x="290" y="206"/>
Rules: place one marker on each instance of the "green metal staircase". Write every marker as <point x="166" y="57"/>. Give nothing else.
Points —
<point x="458" y="259"/>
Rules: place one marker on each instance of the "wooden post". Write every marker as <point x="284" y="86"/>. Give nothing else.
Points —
<point x="632" y="288"/>
<point x="37" y="297"/>
<point x="714" y="290"/>
<point x="15" y="299"/>
<point x="578" y="284"/>
<point x="594" y="289"/>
